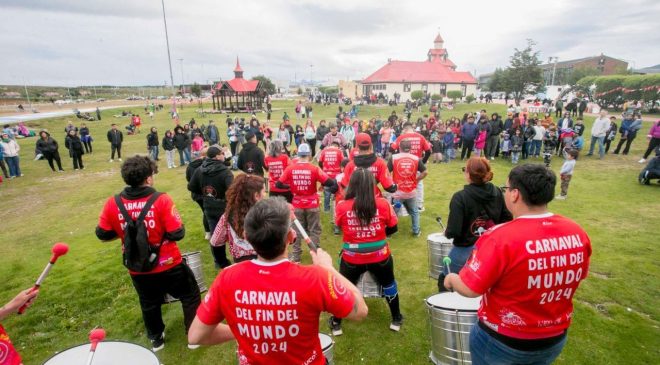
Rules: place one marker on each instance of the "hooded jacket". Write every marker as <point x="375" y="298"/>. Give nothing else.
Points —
<point x="474" y="208"/>
<point x="251" y="159"/>
<point x="168" y="143"/>
<point x="190" y="171"/>
<point x="48" y="146"/>
<point x="181" y="141"/>
<point x="74" y="145"/>
<point x="211" y="180"/>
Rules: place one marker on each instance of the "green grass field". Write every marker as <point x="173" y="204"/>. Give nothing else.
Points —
<point x="617" y="307"/>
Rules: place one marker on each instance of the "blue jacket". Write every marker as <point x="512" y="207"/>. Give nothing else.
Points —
<point x="469" y="131"/>
<point x="2" y="153"/>
<point x="448" y="140"/>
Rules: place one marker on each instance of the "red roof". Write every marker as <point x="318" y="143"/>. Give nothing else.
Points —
<point x="438" y="39"/>
<point x="238" y="66"/>
<point x="414" y="71"/>
<point x="239" y="85"/>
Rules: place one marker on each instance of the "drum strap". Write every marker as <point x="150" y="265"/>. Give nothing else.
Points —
<point x="365" y="247"/>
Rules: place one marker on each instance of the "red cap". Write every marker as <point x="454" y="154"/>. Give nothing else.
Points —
<point x="363" y="139"/>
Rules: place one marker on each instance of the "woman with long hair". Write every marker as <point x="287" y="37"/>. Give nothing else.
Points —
<point x="244" y="192"/>
<point x="310" y="135"/>
<point x="275" y="163"/>
<point x="473" y="211"/>
<point x="366" y="221"/>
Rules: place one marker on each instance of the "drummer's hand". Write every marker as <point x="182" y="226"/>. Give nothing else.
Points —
<point x="321" y="258"/>
<point x="448" y="281"/>
<point x="25" y="297"/>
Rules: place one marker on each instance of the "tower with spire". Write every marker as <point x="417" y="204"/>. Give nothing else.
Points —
<point x="238" y="71"/>
<point x="439" y="54"/>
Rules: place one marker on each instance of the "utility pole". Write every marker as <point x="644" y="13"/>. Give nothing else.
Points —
<point x="183" y="82"/>
<point x="554" y="69"/>
<point x="27" y="94"/>
<point x="169" y="58"/>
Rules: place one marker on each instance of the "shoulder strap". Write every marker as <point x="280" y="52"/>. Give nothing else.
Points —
<point x="122" y="208"/>
<point x="147" y="206"/>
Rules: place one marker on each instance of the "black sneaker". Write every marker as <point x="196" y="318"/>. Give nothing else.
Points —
<point x="159" y="343"/>
<point x="335" y="327"/>
<point x="396" y="324"/>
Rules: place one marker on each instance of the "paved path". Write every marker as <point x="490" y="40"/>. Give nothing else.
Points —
<point x="55" y="114"/>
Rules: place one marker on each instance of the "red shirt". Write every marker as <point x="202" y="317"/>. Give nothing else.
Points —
<point x="273" y="309"/>
<point x="404" y="173"/>
<point x="331" y="158"/>
<point x="275" y="167"/>
<point x="418" y="144"/>
<point x="352" y="153"/>
<point x="378" y="168"/>
<point x="162" y="217"/>
<point x="302" y="178"/>
<point x="8" y="354"/>
<point x="356" y="235"/>
<point x="528" y="270"/>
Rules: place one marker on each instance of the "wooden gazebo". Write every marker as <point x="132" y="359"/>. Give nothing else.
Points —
<point x="238" y="94"/>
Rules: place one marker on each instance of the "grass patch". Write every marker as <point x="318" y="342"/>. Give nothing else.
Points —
<point x="617" y="307"/>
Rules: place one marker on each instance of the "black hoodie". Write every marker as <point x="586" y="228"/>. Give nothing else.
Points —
<point x="251" y="159"/>
<point x="190" y="171"/>
<point x="475" y="207"/>
<point x="365" y="161"/>
<point x="211" y="180"/>
<point x="48" y="146"/>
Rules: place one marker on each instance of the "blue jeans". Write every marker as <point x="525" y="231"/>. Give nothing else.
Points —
<point x="14" y="167"/>
<point x="601" y="146"/>
<point x="153" y="151"/>
<point x="411" y="207"/>
<point x="459" y="256"/>
<point x="486" y="350"/>
<point x="326" y="199"/>
<point x="184" y="156"/>
<point x="536" y="147"/>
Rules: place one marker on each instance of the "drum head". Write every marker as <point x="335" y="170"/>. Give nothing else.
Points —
<point x="438" y="237"/>
<point x="326" y="341"/>
<point x="454" y="301"/>
<point x="107" y="353"/>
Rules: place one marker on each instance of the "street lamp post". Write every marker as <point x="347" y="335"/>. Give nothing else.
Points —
<point x="169" y="59"/>
<point x="554" y="68"/>
<point x="183" y="82"/>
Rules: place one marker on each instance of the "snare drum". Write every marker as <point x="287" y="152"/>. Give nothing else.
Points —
<point x="439" y="247"/>
<point x="369" y="287"/>
<point x="194" y="261"/>
<point x="451" y="317"/>
<point x="107" y="353"/>
<point x="327" y="345"/>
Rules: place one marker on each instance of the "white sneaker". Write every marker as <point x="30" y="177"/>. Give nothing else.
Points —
<point x="207" y="236"/>
<point x="193" y="347"/>
<point x="642" y="160"/>
<point x="560" y="197"/>
<point x="119" y="159"/>
<point x="110" y="160"/>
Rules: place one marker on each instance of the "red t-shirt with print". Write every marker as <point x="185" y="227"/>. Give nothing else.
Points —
<point x="418" y="144"/>
<point x="8" y="354"/>
<point x="528" y="270"/>
<point x="302" y="178"/>
<point x="162" y="217"/>
<point x="356" y="235"/>
<point x="273" y="309"/>
<point x="378" y="168"/>
<point x="275" y="167"/>
<point x="331" y="158"/>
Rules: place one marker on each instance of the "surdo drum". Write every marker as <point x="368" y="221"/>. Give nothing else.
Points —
<point x="107" y="353"/>
<point x="451" y="317"/>
<point x="194" y="261"/>
<point x="327" y="346"/>
<point x="439" y="247"/>
<point x="369" y="287"/>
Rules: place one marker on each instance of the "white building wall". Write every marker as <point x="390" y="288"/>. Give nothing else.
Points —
<point x="432" y="88"/>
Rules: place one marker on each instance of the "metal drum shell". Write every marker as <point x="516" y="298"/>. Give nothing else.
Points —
<point x="451" y="318"/>
<point x="369" y="287"/>
<point x="438" y="248"/>
<point x="194" y="261"/>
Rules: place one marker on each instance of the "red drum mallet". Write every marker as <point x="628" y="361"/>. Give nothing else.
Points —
<point x="58" y="250"/>
<point x="97" y="335"/>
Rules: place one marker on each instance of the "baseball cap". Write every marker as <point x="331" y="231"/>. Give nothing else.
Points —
<point x="303" y="150"/>
<point x="213" y="151"/>
<point x="363" y="139"/>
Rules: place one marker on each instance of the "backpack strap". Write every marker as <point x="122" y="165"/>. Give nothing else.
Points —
<point x="143" y="212"/>
<point x="121" y="207"/>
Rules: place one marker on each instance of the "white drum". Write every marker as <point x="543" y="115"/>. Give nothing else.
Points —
<point x="451" y="317"/>
<point x="327" y="345"/>
<point x="194" y="262"/>
<point x="369" y="287"/>
<point x="107" y="353"/>
<point x="439" y="247"/>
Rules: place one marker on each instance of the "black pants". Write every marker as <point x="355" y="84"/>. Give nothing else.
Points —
<point x="53" y="156"/>
<point x="608" y="143"/>
<point x="115" y="147"/>
<point x="383" y="272"/>
<point x="628" y="141"/>
<point x="558" y="112"/>
<point x="4" y="168"/>
<point x="286" y="194"/>
<point x="233" y="146"/>
<point x="468" y="145"/>
<point x="88" y="146"/>
<point x="179" y="282"/>
<point x="653" y="143"/>
<point x="219" y="253"/>
<point x="312" y="145"/>
<point x="204" y="221"/>
<point x="77" y="161"/>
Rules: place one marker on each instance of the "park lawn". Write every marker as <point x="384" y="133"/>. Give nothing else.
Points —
<point x="616" y="308"/>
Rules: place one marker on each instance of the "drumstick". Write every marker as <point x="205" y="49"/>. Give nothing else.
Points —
<point x="312" y="246"/>
<point x="58" y="250"/>
<point x="97" y="335"/>
<point x="438" y="219"/>
<point x="447" y="261"/>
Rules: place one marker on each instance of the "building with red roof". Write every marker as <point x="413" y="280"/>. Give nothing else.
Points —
<point x="238" y="94"/>
<point x="435" y="75"/>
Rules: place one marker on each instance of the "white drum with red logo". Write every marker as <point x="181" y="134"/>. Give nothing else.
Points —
<point x="107" y="353"/>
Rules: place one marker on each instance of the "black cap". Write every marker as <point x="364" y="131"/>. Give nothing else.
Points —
<point x="213" y="151"/>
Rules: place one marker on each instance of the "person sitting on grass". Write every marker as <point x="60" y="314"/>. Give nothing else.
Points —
<point x="652" y="169"/>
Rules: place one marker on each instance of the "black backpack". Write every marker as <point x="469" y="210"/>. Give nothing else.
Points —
<point x="139" y="255"/>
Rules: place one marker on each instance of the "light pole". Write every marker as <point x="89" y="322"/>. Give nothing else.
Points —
<point x="27" y="94"/>
<point x="554" y="68"/>
<point x="169" y="59"/>
<point x="183" y="82"/>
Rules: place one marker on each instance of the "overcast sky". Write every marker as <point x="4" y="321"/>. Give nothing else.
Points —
<point x="122" y="42"/>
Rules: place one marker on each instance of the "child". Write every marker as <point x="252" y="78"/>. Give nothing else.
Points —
<point x="566" y="171"/>
<point x="516" y="146"/>
<point x="436" y="145"/>
<point x="299" y="137"/>
<point x="168" y="146"/>
<point x="480" y="142"/>
<point x="550" y="141"/>
<point x="506" y="145"/>
<point x="567" y="138"/>
<point x="197" y="145"/>
<point x="448" y="142"/>
<point x="610" y="135"/>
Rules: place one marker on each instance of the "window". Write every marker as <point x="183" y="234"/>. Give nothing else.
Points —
<point x="464" y="90"/>
<point x="406" y="88"/>
<point x="425" y="87"/>
<point x="443" y="89"/>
